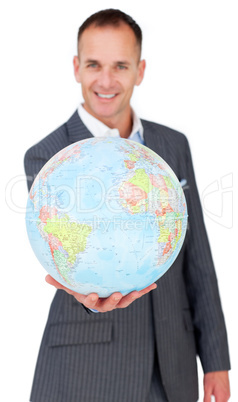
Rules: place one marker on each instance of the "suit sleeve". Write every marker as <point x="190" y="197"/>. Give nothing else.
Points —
<point x="202" y="286"/>
<point x="34" y="160"/>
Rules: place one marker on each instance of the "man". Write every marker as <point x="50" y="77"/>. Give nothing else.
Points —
<point x="147" y="351"/>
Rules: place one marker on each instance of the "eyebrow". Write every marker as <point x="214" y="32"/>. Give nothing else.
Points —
<point x="123" y="62"/>
<point x="93" y="61"/>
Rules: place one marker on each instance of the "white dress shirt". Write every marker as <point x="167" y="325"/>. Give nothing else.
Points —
<point x="99" y="129"/>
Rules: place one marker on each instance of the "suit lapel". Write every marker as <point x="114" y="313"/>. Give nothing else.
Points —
<point x="154" y="140"/>
<point x="77" y="131"/>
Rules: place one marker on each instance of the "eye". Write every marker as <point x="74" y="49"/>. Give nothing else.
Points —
<point x="121" y="67"/>
<point x="92" y="65"/>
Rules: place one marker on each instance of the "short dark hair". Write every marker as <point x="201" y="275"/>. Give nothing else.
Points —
<point x="111" y="17"/>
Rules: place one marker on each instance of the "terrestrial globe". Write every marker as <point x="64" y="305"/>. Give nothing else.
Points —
<point x="106" y="215"/>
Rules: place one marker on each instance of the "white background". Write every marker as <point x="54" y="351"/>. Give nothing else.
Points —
<point x="190" y="85"/>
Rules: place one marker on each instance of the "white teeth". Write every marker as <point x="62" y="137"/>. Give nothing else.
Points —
<point x="106" y="96"/>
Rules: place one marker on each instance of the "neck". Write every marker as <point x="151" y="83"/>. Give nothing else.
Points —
<point x="124" y="125"/>
<point x="123" y="122"/>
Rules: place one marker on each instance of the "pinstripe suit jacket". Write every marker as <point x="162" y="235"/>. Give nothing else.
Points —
<point x="109" y="357"/>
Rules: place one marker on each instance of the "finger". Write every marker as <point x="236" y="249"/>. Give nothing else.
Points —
<point x="91" y="300"/>
<point x="53" y="282"/>
<point x="109" y="303"/>
<point x="128" y="299"/>
<point x="79" y="297"/>
<point x="207" y="395"/>
<point x="58" y="285"/>
<point x="147" y="289"/>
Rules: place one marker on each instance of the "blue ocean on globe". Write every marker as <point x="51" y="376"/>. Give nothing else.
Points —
<point x="106" y="215"/>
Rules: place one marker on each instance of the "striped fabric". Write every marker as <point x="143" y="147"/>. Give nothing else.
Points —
<point x="110" y="357"/>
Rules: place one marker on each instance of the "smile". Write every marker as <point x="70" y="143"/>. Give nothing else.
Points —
<point x="106" y="96"/>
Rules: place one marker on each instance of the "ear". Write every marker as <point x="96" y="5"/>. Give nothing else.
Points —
<point x="141" y="72"/>
<point x="76" y="68"/>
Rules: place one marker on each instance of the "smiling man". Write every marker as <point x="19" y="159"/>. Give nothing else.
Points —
<point x="143" y="351"/>
<point x="109" y="73"/>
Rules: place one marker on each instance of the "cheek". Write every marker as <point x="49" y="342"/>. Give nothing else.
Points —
<point x="130" y="82"/>
<point x="129" y="87"/>
<point x="86" y="81"/>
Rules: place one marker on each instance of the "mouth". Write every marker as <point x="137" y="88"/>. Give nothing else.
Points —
<point x="105" y="96"/>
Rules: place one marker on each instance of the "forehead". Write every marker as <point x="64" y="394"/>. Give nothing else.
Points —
<point x="108" y="42"/>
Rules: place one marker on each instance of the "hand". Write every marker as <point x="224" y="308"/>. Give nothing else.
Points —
<point x="116" y="300"/>
<point x="216" y="383"/>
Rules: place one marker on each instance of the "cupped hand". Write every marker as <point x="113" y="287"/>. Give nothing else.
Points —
<point x="103" y="304"/>
<point x="216" y="383"/>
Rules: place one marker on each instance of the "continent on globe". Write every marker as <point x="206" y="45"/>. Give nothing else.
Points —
<point x="106" y="215"/>
<point x="65" y="238"/>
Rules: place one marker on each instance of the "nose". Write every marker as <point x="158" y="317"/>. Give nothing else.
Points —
<point x="106" y="79"/>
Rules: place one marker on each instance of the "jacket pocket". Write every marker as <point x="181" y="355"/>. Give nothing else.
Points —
<point x="78" y="333"/>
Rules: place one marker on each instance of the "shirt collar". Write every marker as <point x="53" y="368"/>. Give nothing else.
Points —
<point x="99" y="129"/>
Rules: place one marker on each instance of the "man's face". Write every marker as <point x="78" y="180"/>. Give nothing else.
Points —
<point x="108" y="68"/>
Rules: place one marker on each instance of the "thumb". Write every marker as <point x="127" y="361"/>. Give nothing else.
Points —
<point x="207" y="393"/>
<point x="207" y="396"/>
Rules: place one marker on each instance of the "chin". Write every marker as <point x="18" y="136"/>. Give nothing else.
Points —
<point x="104" y="114"/>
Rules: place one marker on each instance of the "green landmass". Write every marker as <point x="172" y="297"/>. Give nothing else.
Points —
<point x="72" y="235"/>
<point x="141" y="180"/>
<point x="133" y="157"/>
<point x="168" y="182"/>
<point x="164" y="235"/>
<point x="61" y="262"/>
